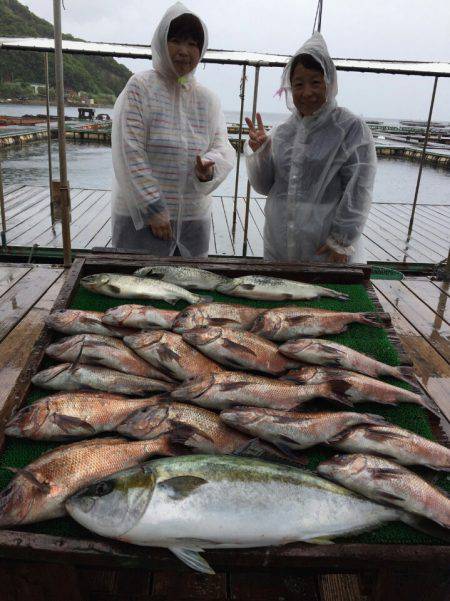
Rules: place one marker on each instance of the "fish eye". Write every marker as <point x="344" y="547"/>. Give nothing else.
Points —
<point x="103" y="488"/>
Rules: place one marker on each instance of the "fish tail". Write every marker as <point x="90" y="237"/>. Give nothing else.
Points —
<point x="427" y="526"/>
<point x="375" y="319"/>
<point x="335" y="294"/>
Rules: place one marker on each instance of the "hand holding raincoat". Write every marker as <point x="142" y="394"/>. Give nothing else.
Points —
<point x="162" y="122"/>
<point x="317" y="173"/>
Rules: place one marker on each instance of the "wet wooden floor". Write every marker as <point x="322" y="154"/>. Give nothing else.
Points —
<point x="420" y="310"/>
<point x="28" y="223"/>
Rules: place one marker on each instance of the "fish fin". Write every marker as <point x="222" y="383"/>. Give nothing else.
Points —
<point x="286" y="296"/>
<point x="427" y="526"/>
<point x="113" y="288"/>
<point x="172" y="301"/>
<point x="66" y="422"/>
<point x="282" y="444"/>
<point x="221" y="321"/>
<point x="235" y="346"/>
<point x="164" y="352"/>
<point x="228" y="386"/>
<point x="193" y="559"/>
<point x="376" y="419"/>
<point x="19" y="471"/>
<point x="382" y="435"/>
<point x="298" y="319"/>
<point x="181" y="487"/>
<point x="181" y="433"/>
<point x="251" y="448"/>
<point x="389" y="497"/>
<point x="88" y="320"/>
<point x="247" y="286"/>
<point x="320" y="540"/>
<point x="385" y="473"/>
<point x="375" y="319"/>
<point x="339" y="436"/>
<point x="337" y="394"/>
<point x="206" y="299"/>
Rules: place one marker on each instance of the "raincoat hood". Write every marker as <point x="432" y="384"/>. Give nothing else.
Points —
<point x="160" y="53"/>
<point x="317" y="48"/>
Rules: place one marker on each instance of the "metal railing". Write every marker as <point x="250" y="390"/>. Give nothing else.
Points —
<point x="224" y="57"/>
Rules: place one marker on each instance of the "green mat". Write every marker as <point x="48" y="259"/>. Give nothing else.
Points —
<point x="366" y="339"/>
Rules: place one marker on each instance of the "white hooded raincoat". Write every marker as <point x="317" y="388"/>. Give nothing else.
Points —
<point x="161" y="123"/>
<point x="317" y="173"/>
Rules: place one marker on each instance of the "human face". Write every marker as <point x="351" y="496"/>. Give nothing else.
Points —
<point x="184" y="54"/>
<point x="308" y="90"/>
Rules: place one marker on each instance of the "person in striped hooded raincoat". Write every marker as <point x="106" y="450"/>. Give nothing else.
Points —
<point x="170" y="146"/>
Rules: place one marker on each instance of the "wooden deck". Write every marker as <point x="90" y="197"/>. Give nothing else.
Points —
<point x="420" y="310"/>
<point x="28" y="223"/>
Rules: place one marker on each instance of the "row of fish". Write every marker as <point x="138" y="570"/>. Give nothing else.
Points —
<point x="65" y="416"/>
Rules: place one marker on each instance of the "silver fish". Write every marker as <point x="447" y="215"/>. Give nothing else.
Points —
<point x="262" y="287"/>
<point x="169" y="353"/>
<point x="324" y="352"/>
<point x="187" y="277"/>
<point x="238" y="349"/>
<point x="74" y="321"/>
<point x="294" y="431"/>
<point x="130" y="286"/>
<point x="236" y="317"/>
<point x="140" y="317"/>
<point x="401" y="445"/>
<point x="65" y="415"/>
<point x="104" y="351"/>
<point x="68" y="376"/>
<point x="198" y="502"/>
<point x="384" y="481"/>
<point x="284" y="323"/>
<point x="230" y="388"/>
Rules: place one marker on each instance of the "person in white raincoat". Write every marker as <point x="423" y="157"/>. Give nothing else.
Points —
<point x="170" y="146"/>
<point x="317" y="168"/>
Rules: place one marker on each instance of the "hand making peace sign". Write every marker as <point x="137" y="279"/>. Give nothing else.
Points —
<point x="257" y="136"/>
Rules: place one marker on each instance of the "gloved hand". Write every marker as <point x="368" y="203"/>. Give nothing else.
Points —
<point x="257" y="136"/>
<point x="204" y="169"/>
<point x="160" y="225"/>
<point x="333" y="256"/>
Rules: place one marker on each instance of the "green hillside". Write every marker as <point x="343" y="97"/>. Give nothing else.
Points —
<point x="92" y="74"/>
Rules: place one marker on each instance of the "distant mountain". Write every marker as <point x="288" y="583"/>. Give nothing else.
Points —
<point x="92" y="74"/>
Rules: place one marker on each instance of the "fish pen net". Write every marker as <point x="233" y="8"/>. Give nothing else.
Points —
<point x="363" y="338"/>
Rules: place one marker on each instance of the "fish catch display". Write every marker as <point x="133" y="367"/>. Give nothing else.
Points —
<point x="186" y="277"/>
<point x="325" y="352"/>
<point x="387" y="482"/>
<point x="403" y="446"/>
<point x="130" y="286"/>
<point x="295" y="431"/>
<point x="169" y="353"/>
<point x="139" y="317"/>
<point x="241" y="350"/>
<point x="105" y="351"/>
<point x="38" y="491"/>
<point x="65" y="415"/>
<point x="230" y="388"/>
<point x="262" y="287"/>
<point x="74" y="321"/>
<point x="357" y="388"/>
<point x="68" y="376"/>
<point x="283" y="323"/>
<point x="235" y="317"/>
<point x="188" y="504"/>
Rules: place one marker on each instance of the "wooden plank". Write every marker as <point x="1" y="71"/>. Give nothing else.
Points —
<point x="431" y="370"/>
<point x="10" y="275"/>
<point x="437" y="300"/>
<point x="340" y="587"/>
<point x="427" y="221"/>
<point x="19" y="299"/>
<point x="102" y="237"/>
<point x="26" y="201"/>
<point x="222" y="233"/>
<point x="409" y="586"/>
<point x="249" y="587"/>
<point x="418" y="314"/>
<point x="191" y="585"/>
<point x="444" y="286"/>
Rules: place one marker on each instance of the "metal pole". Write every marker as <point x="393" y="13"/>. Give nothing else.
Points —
<point x="2" y="210"/>
<point x="59" y="78"/>
<point x="49" y="141"/>
<point x="419" y="176"/>
<point x="247" y="199"/>
<point x="319" y="22"/>
<point x="241" y="117"/>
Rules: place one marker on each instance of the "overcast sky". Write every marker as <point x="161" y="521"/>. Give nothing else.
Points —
<point x="385" y="29"/>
